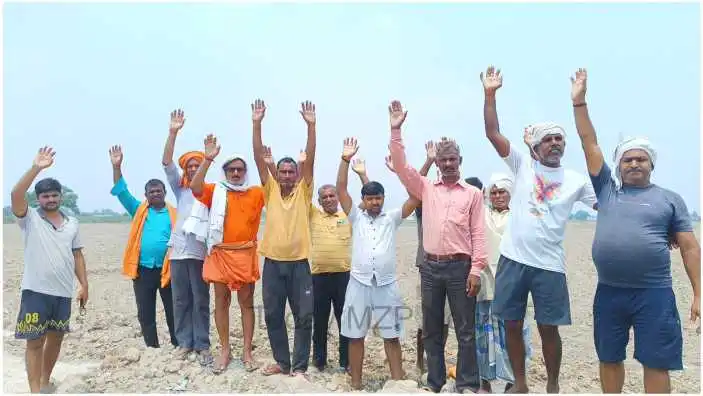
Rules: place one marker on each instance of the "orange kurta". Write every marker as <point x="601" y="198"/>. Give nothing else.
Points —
<point x="130" y="262"/>
<point x="235" y="261"/>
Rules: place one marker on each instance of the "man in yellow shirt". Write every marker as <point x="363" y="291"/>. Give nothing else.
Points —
<point x="331" y="255"/>
<point x="286" y="247"/>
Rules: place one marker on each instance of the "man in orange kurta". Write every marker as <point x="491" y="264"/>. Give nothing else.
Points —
<point x="232" y="263"/>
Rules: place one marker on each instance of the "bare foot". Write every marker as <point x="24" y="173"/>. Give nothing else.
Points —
<point x="553" y="387"/>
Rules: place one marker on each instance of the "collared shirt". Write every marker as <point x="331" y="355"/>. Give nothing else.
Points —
<point x="453" y="214"/>
<point x="331" y="241"/>
<point x="49" y="265"/>
<point x="157" y="227"/>
<point x="373" y="245"/>
<point x="287" y="228"/>
<point x="182" y="246"/>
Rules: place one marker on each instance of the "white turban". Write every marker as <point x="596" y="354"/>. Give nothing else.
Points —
<point x="537" y="132"/>
<point x="245" y="182"/>
<point x="632" y="143"/>
<point x="500" y="180"/>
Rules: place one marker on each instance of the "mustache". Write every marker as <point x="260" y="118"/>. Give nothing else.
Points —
<point x="633" y="170"/>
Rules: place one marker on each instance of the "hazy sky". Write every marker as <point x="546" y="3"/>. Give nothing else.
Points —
<point x="82" y="77"/>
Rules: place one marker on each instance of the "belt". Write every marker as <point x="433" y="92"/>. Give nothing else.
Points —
<point x="447" y="257"/>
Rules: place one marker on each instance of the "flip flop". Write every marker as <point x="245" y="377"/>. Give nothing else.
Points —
<point x="219" y="368"/>
<point x="272" y="369"/>
<point x="49" y="388"/>
<point x="205" y="357"/>
<point x="251" y="365"/>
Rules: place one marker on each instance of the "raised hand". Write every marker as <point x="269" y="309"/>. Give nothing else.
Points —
<point x="302" y="156"/>
<point x="177" y="121"/>
<point x="389" y="164"/>
<point x="116" y="156"/>
<point x="396" y="114"/>
<point x="307" y="110"/>
<point x="258" y="110"/>
<point x="578" y="86"/>
<point x="350" y="148"/>
<point x="431" y="150"/>
<point x="268" y="156"/>
<point x="492" y="80"/>
<point x="212" y="149"/>
<point x="44" y="158"/>
<point x="359" y="166"/>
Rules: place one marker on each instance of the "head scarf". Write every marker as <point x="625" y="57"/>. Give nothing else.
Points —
<point x="183" y="163"/>
<point x="537" y="132"/>
<point x="499" y="180"/>
<point x="632" y="143"/>
<point x="233" y="187"/>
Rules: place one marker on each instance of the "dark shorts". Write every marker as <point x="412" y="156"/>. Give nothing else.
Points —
<point x="550" y="295"/>
<point x="653" y="314"/>
<point x="40" y="313"/>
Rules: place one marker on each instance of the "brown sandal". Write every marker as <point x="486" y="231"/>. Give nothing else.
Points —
<point x="218" y="366"/>
<point x="251" y="365"/>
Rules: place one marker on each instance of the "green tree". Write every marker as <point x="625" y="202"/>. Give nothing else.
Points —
<point x="68" y="200"/>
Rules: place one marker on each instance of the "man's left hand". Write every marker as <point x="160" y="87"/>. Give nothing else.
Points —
<point x="82" y="296"/>
<point x="473" y="285"/>
<point x="695" y="309"/>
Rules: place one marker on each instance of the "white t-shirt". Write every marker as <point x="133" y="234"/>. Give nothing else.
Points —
<point x="49" y="266"/>
<point x="540" y="204"/>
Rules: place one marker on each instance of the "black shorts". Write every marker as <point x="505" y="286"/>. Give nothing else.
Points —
<point x="40" y="313"/>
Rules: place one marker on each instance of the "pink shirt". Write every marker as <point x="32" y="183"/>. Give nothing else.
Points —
<point x="453" y="219"/>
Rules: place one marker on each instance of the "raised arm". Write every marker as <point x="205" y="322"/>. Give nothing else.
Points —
<point x="359" y="167"/>
<point x="212" y="149"/>
<point x="584" y="126"/>
<point x="409" y="206"/>
<point x="431" y="150"/>
<point x="177" y="121"/>
<point x="350" y="148"/>
<point x="409" y="176"/>
<point x="493" y="80"/>
<point x="270" y="161"/>
<point x="308" y="113"/>
<point x="302" y="157"/>
<point x="120" y="189"/>
<point x="258" y="110"/>
<point x="43" y="160"/>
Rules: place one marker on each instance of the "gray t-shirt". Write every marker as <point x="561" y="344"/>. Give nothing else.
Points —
<point x="182" y="246"/>
<point x="630" y="247"/>
<point x="49" y="266"/>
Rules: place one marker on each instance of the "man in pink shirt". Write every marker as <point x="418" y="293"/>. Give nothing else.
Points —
<point x="455" y="254"/>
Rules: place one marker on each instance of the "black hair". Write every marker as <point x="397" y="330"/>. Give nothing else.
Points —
<point x="47" y="185"/>
<point x="474" y="181"/>
<point x="372" y="188"/>
<point x="226" y="164"/>
<point x="154" y="182"/>
<point x="286" y="160"/>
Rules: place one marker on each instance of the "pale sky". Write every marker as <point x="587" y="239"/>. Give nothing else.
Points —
<point x="82" y="77"/>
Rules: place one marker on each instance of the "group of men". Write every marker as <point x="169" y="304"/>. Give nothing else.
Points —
<point x="482" y="252"/>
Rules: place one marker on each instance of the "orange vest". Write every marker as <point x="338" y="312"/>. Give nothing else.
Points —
<point x="130" y="262"/>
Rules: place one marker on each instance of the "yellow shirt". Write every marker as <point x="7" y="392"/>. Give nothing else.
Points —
<point x="331" y="241"/>
<point x="287" y="228"/>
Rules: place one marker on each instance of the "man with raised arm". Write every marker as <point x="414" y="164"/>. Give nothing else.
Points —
<point x="454" y="241"/>
<point x="231" y="223"/>
<point x="532" y="248"/>
<point x="636" y="220"/>
<point x="53" y="255"/>
<point x="286" y="247"/>
<point x="373" y="296"/>
<point x="145" y="259"/>
<point x="191" y="295"/>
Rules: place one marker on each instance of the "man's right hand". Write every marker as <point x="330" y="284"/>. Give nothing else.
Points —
<point x="212" y="149"/>
<point x="268" y="156"/>
<point x="350" y="149"/>
<point x="389" y="164"/>
<point x="116" y="156"/>
<point x="44" y="158"/>
<point x="258" y="110"/>
<point x="177" y="121"/>
<point x="492" y="80"/>
<point x="578" y="86"/>
<point x="431" y="150"/>
<point x="359" y="166"/>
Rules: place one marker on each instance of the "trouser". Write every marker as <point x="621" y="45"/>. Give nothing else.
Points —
<point x="289" y="280"/>
<point x="145" y="287"/>
<point x="440" y="280"/>
<point x="328" y="291"/>
<point x="191" y="304"/>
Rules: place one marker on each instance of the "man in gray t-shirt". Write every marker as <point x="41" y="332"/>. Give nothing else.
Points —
<point x="191" y="295"/>
<point x="52" y="257"/>
<point x="636" y="221"/>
